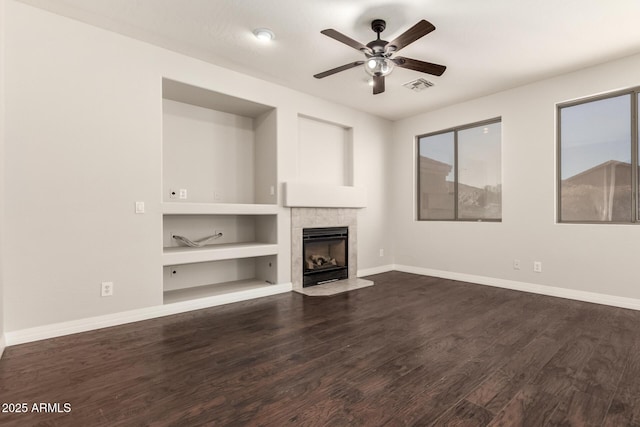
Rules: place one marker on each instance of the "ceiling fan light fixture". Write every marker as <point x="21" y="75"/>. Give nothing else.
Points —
<point x="378" y="66"/>
<point x="378" y="62"/>
<point x="264" y="34"/>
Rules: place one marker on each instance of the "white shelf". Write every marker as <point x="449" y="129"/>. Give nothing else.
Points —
<point x="177" y="208"/>
<point x="187" y="255"/>
<point x="206" y="291"/>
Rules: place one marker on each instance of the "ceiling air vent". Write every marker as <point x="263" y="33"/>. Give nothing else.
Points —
<point x="418" y="85"/>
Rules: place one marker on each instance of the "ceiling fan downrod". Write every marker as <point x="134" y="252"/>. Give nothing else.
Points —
<point x="378" y="26"/>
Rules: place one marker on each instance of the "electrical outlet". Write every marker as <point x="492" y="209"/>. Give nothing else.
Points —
<point x="272" y="191"/>
<point x="537" y="267"/>
<point x="106" y="289"/>
<point x="172" y="193"/>
<point x="174" y="271"/>
<point x="381" y="252"/>
<point x="183" y="193"/>
<point x="516" y="264"/>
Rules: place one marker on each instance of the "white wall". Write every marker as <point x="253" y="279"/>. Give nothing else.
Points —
<point x="324" y="153"/>
<point x="2" y="161"/>
<point x="372" y="171"/>
<point x="591" y="258"/>
<point x="83" y="143"/>
<point x="266" y="158"/>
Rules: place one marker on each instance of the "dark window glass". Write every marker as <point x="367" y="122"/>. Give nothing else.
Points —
<point x="460" y="174"/>
<point x="437" y="163"/>
<point x="479" y="172"/>
<point x="595" y="161"/>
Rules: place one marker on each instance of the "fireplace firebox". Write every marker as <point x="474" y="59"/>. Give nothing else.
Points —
<point x="325" y="255"/>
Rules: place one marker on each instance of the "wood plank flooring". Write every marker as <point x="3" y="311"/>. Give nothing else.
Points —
<point x="411" y="350"/>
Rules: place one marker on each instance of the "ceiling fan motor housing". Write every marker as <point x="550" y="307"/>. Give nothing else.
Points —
<point x="378" y="25"/>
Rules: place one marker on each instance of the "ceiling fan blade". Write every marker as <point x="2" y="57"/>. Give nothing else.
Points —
<point x="378" y="84"/>
<point x="338" y="69"/>
<point x="346" y="40"/>
<point x="421" y="29"/>
<point x="423" y="67"/>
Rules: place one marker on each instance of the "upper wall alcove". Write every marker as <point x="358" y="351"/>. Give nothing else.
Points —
<point x="325" y="167"/>
<point x="217" y="148"/>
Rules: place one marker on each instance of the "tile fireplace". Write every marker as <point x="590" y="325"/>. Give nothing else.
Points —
<point x="326" y="249"/>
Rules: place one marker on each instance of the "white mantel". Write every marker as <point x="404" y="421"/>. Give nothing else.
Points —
<point x="317" y="195"/>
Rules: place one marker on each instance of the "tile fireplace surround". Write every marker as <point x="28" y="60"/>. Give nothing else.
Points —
<point x="321" y="217"/>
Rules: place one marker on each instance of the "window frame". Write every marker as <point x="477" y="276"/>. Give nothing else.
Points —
<point x="455" y="131"/>
<point x="634" y="94"/>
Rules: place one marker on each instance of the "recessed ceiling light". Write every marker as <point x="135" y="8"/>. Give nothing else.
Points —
<point x="264" y="34"/>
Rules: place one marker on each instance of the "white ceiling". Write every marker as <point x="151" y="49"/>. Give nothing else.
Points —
<point x="487" y="45"/>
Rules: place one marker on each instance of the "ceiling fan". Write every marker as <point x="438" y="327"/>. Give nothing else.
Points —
<point x="379" y="60"/>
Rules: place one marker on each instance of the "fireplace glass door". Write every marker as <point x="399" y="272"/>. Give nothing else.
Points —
<point x="325" y="256"/>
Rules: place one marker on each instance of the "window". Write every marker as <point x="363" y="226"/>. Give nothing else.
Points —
<point x="597" y="160"/>
<point x="459" y="173"/>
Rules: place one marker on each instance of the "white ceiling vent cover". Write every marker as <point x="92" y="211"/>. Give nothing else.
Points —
<point x="418" y="85"/>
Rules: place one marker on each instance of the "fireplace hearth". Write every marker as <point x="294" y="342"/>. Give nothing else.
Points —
<point x="325" y="254"/>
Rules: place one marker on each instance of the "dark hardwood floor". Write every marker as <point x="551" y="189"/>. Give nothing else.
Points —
<point x="411" y="350"/>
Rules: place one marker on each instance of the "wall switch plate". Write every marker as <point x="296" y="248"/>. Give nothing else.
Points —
<point x="516" y="264"/>
<point x="381" y="252"/>
<point x="537" y="267"/>
<point x="106" y="289"/>
<point x="183" y="193"/>
<point x="272" y="191"/>
<point x="139" y="207"/>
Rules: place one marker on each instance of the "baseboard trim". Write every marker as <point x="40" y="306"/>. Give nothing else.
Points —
<point x="593" y="297"/>
<point x="375" y="270"/>
<point x="3" y="344"/>
<point x="98" y="322"/>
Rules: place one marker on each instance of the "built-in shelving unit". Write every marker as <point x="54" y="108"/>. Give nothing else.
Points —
<point x="218" y="209"/>
<point x="219" y="179"/>
<point x="207" y="291"/>
<point x="186" y="255"/>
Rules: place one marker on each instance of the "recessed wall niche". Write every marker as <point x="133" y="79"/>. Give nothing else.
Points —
<point x="216" y="148"/>
<point x="325" y="152"/>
